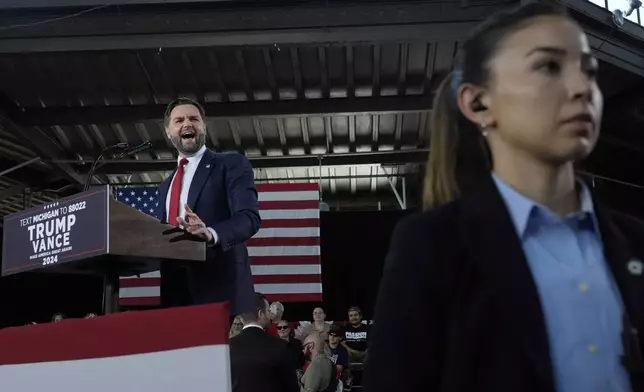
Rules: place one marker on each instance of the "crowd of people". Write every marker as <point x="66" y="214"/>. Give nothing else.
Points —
<point x="60" y="316"/>
<point x="320" y="356"/>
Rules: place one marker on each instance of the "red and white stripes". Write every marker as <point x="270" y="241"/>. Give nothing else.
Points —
<point x="285" y="253"/>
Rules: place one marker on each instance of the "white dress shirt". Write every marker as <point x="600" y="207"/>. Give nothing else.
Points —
<point x="189" y="171"/>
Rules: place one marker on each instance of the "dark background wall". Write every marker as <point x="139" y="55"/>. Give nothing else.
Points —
<point x="354" y="245"/>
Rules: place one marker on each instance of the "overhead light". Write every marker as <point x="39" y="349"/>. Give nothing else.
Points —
<point x="619" y="16"/>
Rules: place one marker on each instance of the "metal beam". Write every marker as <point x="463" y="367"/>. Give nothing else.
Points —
<point x="615" y="52"/>
<point x="13" y="191"/>
<point x="358" y="158"/>
<point x="616" y="162"/>
<point x="619" y="46"/>
<point x="401" y="202"/>
<point x="41" y="144"/>
<point x="429" y="32"/>
<point x="30" y="175"/>
<point x="598" y="16"/>
<point x="19" y="166"/>
<point x="289" y="179"/>
<point x="19" y="4"/>
<point x="111" y="114"/>
<point x="273" y="25"/>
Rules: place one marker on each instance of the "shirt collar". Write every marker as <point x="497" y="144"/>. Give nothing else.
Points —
<point x="252" y="326"/>
<point x="521" y="208"/>
<point x="195" y="158"/>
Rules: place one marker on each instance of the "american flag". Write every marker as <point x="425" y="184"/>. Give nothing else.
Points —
<point x="284" y="254"/>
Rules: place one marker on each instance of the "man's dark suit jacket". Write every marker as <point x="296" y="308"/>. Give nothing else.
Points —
<point x="223" y="195"/>
<point x="459" y="276"/>
<point x="261" y="363"/>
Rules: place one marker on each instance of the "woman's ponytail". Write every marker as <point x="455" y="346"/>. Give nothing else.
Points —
<point x="440" y="185"/>
<point x="458" y="154"/>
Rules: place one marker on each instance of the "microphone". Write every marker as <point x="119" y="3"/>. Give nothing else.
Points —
<point x="118" y="145"/>
<point x="90" y="175"/>
<point x="134" y="150"/>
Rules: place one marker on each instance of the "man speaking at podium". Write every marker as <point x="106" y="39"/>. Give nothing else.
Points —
<point x="212" y="196"/>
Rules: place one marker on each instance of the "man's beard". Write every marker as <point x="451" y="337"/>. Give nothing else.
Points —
<point x="189" y="147"/>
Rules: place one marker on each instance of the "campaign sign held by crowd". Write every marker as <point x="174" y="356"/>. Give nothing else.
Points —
<point x="68" y="229"/>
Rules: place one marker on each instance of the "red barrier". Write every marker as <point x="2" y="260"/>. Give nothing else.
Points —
<point x="174" y="349"/>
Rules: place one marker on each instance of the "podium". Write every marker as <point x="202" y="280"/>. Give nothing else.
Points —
<point x="91" y="233"/>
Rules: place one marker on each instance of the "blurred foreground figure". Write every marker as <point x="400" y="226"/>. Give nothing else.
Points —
<point x="519" y="279"/>
<point x="321" y="371"/>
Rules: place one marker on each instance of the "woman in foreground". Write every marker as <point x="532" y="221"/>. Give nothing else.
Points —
<point x="516" y="279"/>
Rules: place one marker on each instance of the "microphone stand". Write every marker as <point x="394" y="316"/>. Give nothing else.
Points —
<point x="133" y="150"/>
<point x="111" y="273"/>
<point x="90" y="175"/>
<point x="128" y="152"/>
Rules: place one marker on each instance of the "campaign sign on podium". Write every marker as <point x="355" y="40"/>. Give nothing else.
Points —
<point x="69" y="229"/>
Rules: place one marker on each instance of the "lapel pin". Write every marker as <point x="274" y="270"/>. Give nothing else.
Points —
<point x="635" y="267"/>
<point x="207" y="166"/>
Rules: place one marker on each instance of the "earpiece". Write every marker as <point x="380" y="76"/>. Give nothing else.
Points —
<point x="477" y="106"/>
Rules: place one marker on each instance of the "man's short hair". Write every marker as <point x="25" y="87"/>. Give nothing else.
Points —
<point x="336" y="330"/>
<point x="355" y="309"/>
<point x="179" y="102"/>
<point x="260" y="304"/>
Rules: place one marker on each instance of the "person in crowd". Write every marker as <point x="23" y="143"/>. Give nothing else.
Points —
<point x="211" y="196"/>
<point x="294" y="345"/>
<point x="260" y="362"/>
<point x="339" y="354"/>
<point x="517" y="278"/>
<point x="90" y="315"/>
<point x="58" y="317"/>
<point x="276" y="313"/>
<point x="319" y="325"/>
<point x="356" y="336"/>
<point x="320" y="374"/>
<point x="236" y="328"/>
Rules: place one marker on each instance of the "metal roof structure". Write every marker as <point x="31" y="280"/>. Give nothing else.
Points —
<point x="331" y="91"/>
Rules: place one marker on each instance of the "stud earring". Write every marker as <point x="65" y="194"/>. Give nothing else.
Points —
<point x="483" y="127"/>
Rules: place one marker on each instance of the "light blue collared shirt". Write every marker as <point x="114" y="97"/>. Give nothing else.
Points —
<point x="579" y="298"/>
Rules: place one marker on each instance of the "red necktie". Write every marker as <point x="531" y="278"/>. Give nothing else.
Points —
<point x="175" y="194"/>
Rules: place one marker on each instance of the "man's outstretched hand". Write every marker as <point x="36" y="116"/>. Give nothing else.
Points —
<point x="195" y="226"/>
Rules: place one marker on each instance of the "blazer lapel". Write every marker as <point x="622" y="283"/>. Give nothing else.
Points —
<point x="617" y="253"/>
<point x="163" y="195"/>
<point x="201" y="175"/>
<point x="494" y="244"/>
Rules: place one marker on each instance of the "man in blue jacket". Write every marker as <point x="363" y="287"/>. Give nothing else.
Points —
<point x="213" y="196"/>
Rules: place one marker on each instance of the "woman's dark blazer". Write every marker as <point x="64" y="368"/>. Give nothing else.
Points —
<point x="458" y="279"/>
